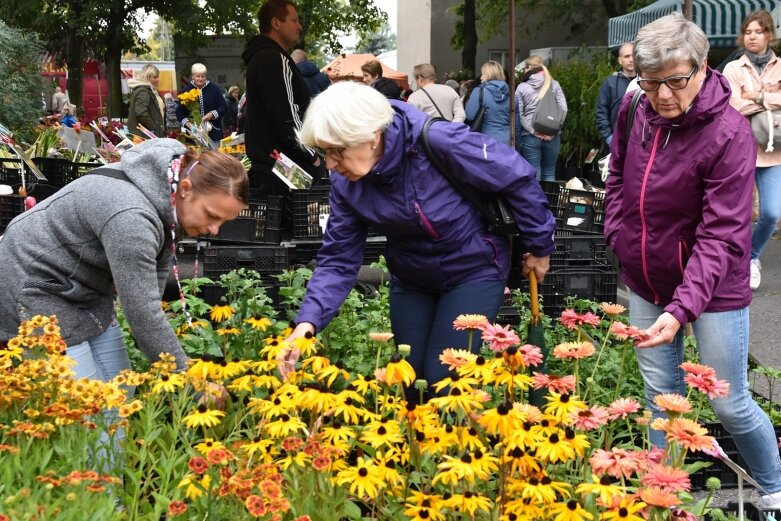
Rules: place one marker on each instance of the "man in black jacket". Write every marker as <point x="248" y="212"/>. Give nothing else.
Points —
<point x="277" y="96"/>
<point x="612" y="91"/>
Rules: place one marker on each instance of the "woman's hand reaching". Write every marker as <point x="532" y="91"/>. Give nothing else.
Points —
<point x="286" y="362"/>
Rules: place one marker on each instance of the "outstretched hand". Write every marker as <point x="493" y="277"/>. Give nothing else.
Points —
<point x="661" y="332"/>
<point x="286" y="362"/>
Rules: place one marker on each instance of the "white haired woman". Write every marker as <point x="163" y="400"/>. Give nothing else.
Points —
<point x="678" y="216"/>
<point x="212" y="102"/>
<point x="443" y="260"/>
<point x="146" y="106"/>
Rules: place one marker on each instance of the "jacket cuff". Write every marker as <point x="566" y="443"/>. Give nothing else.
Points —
<point x="184" y="121"/>
<point x="215" y="114"/>
<point x="678" y="313"/>
<point x="312" y="319"/>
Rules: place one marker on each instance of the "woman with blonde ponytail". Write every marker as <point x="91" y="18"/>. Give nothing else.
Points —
<point x="540" y="150"/>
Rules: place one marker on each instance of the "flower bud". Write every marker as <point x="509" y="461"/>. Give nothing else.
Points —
<point x="404" y="349"/>
<point x="421" y="385"/>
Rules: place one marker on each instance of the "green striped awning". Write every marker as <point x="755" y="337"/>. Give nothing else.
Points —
<point x="719" y="19"/>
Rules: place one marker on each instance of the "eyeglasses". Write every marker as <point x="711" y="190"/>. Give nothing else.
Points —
<point x="333" y="153"/>
<point x="673" y="82"/>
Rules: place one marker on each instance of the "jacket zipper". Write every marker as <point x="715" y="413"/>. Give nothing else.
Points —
<point x="644" y="234"/>
<point x="683" y="250"/>
<point x="425" y="222"/>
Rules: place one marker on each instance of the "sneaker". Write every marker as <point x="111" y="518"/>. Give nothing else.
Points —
<point x="756" y="275"/>
<point x="772" y="501"/>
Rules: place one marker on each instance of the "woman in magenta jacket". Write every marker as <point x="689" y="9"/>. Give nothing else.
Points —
<point x="678" y="216"/>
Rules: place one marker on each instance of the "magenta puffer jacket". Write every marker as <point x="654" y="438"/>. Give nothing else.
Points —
<point x="436" y="239"/>
<point x="678" y="206"/>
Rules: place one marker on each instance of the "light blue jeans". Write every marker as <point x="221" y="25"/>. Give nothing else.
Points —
<point x="542" y="155"/>
<point x="769" y="188"/>
<point x="102" y="358"/>
<point x="722" y="340"/>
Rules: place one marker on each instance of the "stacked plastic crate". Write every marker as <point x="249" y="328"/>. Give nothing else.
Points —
<point x="251" y="241"/>
<point x="579" y="267"/>
<point x="309" y="211"/>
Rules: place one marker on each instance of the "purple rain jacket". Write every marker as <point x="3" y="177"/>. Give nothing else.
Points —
<point x="436" y="239"/>
<point x="678" y="204"/>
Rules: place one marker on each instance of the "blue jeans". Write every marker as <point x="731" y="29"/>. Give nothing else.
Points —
<point x="722" y="340"/>
<point x="102" y="358"/>
<point x="425" y="322"/>
<point x="541" y="155"/>
<point x="769" y="188"/>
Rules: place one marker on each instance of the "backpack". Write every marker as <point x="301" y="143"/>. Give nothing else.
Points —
<point x="549" y="116"/>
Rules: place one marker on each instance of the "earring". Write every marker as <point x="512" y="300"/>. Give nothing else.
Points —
<point x="374" y="146"/>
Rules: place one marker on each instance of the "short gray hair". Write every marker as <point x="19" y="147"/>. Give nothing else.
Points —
<point x="198" y="68"/>
<point x="345" y="114"/>
<point x="669" y="41"/>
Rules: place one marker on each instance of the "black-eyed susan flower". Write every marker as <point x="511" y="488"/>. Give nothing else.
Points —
<point x="605" y="488"/>
<point x="208" y="445"/>
<point x="336" y="433"/>
<point x="469" y="502"/>
<point x="627" y="511"/>
<point x="221" y="313"/>
<point x="227" y="331"/>
<point x="502" y="420"/>
<point x="258" y="324"/>
<point x="398" y="371"/>
<point x="554" y="448"/>
<point x="561" y="406"/>
<point x="332" y="372"/>
<point x="464" y="384"/>
<point x="382" y="433"/>
<point x="456" y="401"/>
<point x="569" y="510"/>
<point x="363" y="478"/>
<point x="168" y="383"/>
<point x="195" y="488"/>
<point x="285" y="425"/>
<point x="203" y="417"/>
<point x="365" y="384"/>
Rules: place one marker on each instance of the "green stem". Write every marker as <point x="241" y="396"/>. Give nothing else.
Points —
<point x="620" y="373"/>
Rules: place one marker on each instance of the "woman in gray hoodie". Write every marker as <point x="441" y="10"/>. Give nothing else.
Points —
<point x="112" y="231"/>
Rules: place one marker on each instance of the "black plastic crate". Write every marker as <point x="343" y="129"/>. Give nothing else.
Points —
<point x="594" y="283"/>
<point x="10" y="207"/>
<point x="580" y="211"/>
<point x="260" y="222"/>
<point x="60" y="172"/>
<point x="305" y="251"/>
<point x="576" y="250"/>
<point x="266" y="260"/>
<point x="309" y="210"/>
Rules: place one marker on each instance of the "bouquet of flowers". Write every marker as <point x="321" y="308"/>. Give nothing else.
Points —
<point x="192" y="100"/>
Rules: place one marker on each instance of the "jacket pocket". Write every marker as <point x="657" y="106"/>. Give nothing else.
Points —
<point x="683" y="255"/>
<point x="424" y="222"/>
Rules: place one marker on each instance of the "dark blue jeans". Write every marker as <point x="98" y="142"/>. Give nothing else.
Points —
<point x="425" y="322"/>
<point x="541" y="155"/>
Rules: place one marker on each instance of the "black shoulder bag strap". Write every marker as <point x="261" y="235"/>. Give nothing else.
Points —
<point x="466" y="193"/>
<point x="630" y="119"/>
<point x="434" y="103"/>
<point x="122" y="176"/>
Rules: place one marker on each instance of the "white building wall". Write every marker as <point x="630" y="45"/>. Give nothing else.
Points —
<point x="413" y="34"/>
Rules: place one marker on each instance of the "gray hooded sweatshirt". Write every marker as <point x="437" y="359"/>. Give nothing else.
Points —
<point x="68" y="255"/>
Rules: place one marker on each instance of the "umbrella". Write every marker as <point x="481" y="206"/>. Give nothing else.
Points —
<point x="535" y="334"/>
<point x="348" y="67"/>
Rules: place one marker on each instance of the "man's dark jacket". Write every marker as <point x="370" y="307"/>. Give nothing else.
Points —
<point x="315" y="80"/>
<point x="277" y="98"/>
<point x="610" y="94"/>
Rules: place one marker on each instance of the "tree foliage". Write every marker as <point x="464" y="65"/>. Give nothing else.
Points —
<point x="376" y="42"/>
<point x="20" y="88"/>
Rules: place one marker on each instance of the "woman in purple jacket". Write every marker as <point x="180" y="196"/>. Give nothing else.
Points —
<point x="679" y="220"/>
<point x="443" y="261"/>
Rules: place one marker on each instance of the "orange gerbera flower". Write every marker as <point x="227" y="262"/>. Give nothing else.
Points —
<point x="658" y="497"/>
<point x="612" y="309"/>
<point x="689" y="434"/>
<point x="667" y="477"/>
<point x="574" y="350"/>
<point x="673" y="403"/>
<point x="463" y="322"/>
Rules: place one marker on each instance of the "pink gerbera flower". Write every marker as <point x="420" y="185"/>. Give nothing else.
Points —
<point x="708" y="384"/>
<point x="590" y="419"/>
<point x="622" y="408"/>
<point x="559" y="384"/>
<point x="698" y="369"/>
<point x="572" y="319"/>
<point x="500" y="338"/>
<point x="667" y="478"/>
<point x="532" y="355"/>
<point x="622" y="331"/>
<point x="615" y="462"/>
